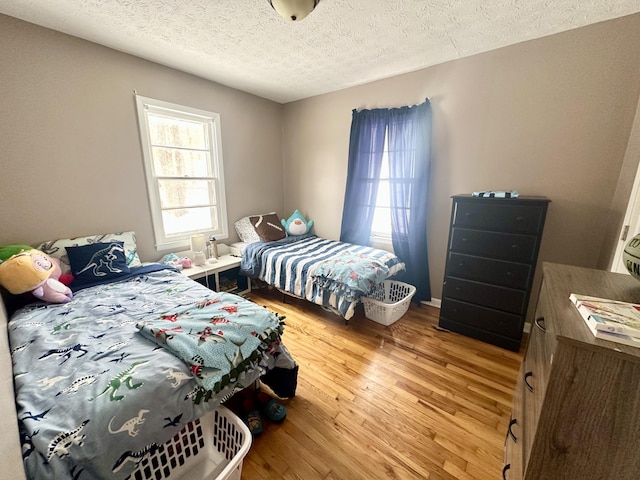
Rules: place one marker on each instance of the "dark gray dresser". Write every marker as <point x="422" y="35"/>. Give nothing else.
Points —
<point x="491" y="260"/>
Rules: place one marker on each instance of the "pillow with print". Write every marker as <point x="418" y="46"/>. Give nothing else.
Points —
<point x="268" y="227"/>
<point x="245" y="229"/>
<point x="97" y="262"/>
<point x="57" y="248"/>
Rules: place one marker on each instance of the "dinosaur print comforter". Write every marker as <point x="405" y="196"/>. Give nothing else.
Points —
<point x="94" y="393"/>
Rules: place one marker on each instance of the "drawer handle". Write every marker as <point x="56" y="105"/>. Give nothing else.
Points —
<point x="539" y="322"/>
<point x="504" y="471"/>
<point x="520" y="219"/>
<point x="512" y="422"/>
<point x="514" y="246"/>
<point x="526" y="383"/>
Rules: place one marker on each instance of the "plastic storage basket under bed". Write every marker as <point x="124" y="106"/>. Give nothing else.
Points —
<point x="388" y="301"/>
<point x="212" y="447"/>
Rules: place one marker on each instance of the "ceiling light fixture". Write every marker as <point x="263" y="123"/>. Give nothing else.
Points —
<point x="294" y="10"/>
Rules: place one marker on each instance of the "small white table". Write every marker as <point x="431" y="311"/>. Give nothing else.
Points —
<point x="224" y="263"/>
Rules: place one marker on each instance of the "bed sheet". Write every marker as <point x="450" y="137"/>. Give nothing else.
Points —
<point x="326" y="272"/>
<point x="237" y="248"/>
<point x="94" y="395"/>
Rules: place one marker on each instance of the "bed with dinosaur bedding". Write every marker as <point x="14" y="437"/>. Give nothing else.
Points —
<point x="104" y="379"/>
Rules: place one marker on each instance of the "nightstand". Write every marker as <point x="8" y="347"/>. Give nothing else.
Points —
<point x="225" y="273"/>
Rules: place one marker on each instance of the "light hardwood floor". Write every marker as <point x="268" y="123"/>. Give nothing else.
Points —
<point x="375" y="402"/>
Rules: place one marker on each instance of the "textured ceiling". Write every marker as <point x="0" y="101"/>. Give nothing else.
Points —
<point x="246" y="45"/>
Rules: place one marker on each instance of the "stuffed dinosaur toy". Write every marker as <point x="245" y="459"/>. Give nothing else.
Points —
<point x="297" y="224"/>
<point x="31" y="270"/>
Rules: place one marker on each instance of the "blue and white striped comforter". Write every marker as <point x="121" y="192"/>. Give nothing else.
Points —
<point x="326" y="272"/>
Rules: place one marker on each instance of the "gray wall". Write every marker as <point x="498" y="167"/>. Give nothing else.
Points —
<point x="70" y="155"/>
<point x="547" y="117"/>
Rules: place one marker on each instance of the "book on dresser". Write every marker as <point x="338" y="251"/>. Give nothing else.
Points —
<point x="608" y="319"/>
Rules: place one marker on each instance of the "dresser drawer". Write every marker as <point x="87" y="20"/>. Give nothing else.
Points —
<point x="505" y="246"/>
<point x="501" y="298"/>
<point x="535" y="371"/>
<point x="487" y="319"/>
<point x="514" y="439"/>
<point x="503" y="217"/>
<point x="544" y="321"/>
<point x="496" y="272"/>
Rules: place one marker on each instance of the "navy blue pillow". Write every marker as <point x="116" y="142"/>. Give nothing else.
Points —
<point x="97" y="262"/>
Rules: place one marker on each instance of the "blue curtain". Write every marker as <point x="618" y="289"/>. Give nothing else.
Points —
<point x="408" y="132"/>
<point x="366" y="146"/>
<point x="409" y="145"/>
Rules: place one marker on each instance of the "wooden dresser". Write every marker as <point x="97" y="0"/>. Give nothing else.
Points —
<point x="491" y="261"/>
<point x="576" y="406"/>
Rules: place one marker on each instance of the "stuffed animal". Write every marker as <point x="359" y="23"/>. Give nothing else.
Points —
<point x="35" y="272"/>
<point x="297" y="224"/>
<point x="9" y="251"/>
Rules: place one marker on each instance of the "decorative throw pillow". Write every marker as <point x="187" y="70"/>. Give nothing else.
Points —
<point x="245" y="230"/>
<point x="56" y="248"/>
<point x="268" y="227"/>
<point x="297" y="224"/>
<point x="97" y="262"/>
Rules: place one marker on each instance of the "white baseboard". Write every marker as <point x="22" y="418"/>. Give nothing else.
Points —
<point x="434" y="302"/>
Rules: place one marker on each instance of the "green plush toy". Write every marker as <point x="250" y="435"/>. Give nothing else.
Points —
<point x="34" y="271"/>
<point x="9" y="251"/>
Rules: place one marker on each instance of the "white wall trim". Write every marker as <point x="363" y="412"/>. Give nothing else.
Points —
<point x="632" y="215"/>
<point x="434" y="302"/>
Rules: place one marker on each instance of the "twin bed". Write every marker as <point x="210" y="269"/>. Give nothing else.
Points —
<point x="104" y="380"/>
<point x="326" y="272"/>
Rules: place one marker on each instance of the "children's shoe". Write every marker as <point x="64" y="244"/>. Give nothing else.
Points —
<point x="254" y="422"/>
<point x="273" y="410"/>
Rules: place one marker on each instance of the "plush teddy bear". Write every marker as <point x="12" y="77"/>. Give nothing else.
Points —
<point x="297" y="224"/>
<point x="36" y="272"/>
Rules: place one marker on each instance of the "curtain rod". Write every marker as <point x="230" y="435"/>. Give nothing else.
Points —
<point x="427" y="99"/>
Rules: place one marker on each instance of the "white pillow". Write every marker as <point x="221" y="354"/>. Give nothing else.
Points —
<point x="246" y="230"/>
<point x="57" y="248"/>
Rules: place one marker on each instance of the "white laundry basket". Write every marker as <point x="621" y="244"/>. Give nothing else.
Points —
<point x="212" y="447"/>
<point x="388" y="302"/>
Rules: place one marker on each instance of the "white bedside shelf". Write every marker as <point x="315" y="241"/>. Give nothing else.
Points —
<point x="224" y="263"/>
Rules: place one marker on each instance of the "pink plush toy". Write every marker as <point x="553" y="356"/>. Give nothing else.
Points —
<point x="36" y="272"/>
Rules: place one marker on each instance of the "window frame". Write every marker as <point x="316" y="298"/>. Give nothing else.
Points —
<point x="147" y="105"/>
